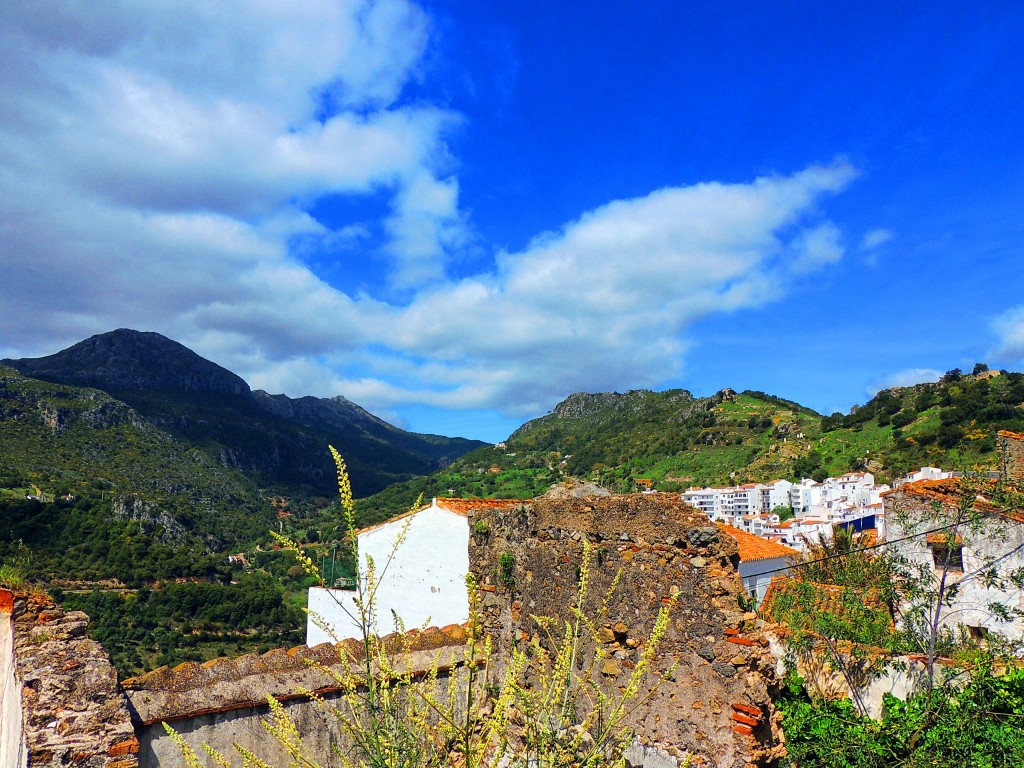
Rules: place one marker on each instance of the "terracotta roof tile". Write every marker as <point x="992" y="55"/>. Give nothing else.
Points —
<point x="948" y="490"/>
<point x="827" y="598"/>
<point x="754" y="547"/>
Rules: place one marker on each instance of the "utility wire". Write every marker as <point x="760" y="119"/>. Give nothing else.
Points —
<point x="880" y="544"/>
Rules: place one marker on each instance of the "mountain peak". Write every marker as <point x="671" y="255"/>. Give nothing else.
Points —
<point x="126" y="359"/>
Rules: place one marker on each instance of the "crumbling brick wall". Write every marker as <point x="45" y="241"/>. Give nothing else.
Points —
<point x="717" y="709"/>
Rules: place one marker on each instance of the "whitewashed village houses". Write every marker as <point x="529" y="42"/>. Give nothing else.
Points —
<point x="852" y="500"/>
<point x="966" y="552"/>
<point x="422" y="581"/>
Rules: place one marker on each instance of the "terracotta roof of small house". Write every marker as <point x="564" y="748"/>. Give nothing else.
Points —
<point x="754" y="547"/>
<point x="462" y="506"/>
<point x="867" y="538"/>
<point x="827" y="598"/>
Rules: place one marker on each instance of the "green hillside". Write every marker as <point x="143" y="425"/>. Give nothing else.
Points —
<point x="97" y="472"/>
<point x="676" y="440"/>
<point x="278" y="441"/>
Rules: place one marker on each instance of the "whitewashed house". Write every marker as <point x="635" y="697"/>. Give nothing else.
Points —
<point x="421" y="581"/>
<point x="983" y="558"/>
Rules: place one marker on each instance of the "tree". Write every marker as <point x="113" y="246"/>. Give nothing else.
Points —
<point x="784" y="511"/>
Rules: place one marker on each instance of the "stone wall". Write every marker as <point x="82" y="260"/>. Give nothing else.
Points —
<point x="1011" y="448"/>
<point x="72" y="711"/>
<point x="222" y="702"/>
<point x="716" y="710"/>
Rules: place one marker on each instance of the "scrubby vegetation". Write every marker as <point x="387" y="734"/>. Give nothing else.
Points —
<point x="978" y="724"/>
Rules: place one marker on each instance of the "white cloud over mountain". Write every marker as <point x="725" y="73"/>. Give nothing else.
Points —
<point x="157" y="161"/>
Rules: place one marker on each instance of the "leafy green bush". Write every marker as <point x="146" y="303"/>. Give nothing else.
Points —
<point x="977" y="725"/>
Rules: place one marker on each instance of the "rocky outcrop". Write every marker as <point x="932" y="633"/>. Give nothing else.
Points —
<point x="149" y="514"/>
<point x="72" y="710"/>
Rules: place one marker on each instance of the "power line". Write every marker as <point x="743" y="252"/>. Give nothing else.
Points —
<point x="804" y="563"/>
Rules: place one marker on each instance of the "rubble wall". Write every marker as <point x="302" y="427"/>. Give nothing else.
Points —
<point x="716" y="710"/>
<point x="72" y="712"/>
<point x="1011" y="446"/>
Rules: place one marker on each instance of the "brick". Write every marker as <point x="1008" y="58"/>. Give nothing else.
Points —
<point x="126" y="747"/>
<point x="747" y="709"/>
<point x="740" y="641"/>
<point x="731" y="631"/>
<point x="739" y="717"/>
<point x="744" y="730"/>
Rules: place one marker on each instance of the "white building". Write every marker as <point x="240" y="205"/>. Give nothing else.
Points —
<point x="422" y="581"/>
<point x="980" y="549"/>
<point x="924" y="473"/>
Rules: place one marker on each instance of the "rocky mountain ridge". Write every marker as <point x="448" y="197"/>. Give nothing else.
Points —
<point x="278" y="440"/>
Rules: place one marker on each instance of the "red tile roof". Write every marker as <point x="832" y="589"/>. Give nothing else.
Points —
<point x="754" y="547"/>
<point x="948" y="491"/>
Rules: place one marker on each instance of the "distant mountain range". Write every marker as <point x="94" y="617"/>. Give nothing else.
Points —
<point x="153" y="418"/>
<point x="277" y="441"/>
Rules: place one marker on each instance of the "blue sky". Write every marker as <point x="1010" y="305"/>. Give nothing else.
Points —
<point x="457" y="213"/>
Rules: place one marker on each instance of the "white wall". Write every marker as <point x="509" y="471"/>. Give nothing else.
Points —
<point x="424" y="582"/>
<point x="1000" y="541"/>
<point x="758" y="574"/>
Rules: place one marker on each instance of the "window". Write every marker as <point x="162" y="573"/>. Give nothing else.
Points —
<point x="950" y="557"/>
<point x="977" y="634"/>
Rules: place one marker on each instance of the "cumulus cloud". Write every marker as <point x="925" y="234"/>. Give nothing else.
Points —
<point x="905" y="378"/>
<point x="1009" y="330"/>
<point x="158" y="162"/>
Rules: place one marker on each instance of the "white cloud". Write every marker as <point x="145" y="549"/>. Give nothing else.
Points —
<point x="875" y="238"/>
<point x="156" y="160"/>
<point x="1009" y="330"/>
<point x="905" y="378"/>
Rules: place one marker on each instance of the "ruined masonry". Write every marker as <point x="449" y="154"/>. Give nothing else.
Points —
<point x="61" y="704"/>
<point x="717" y="709"/>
